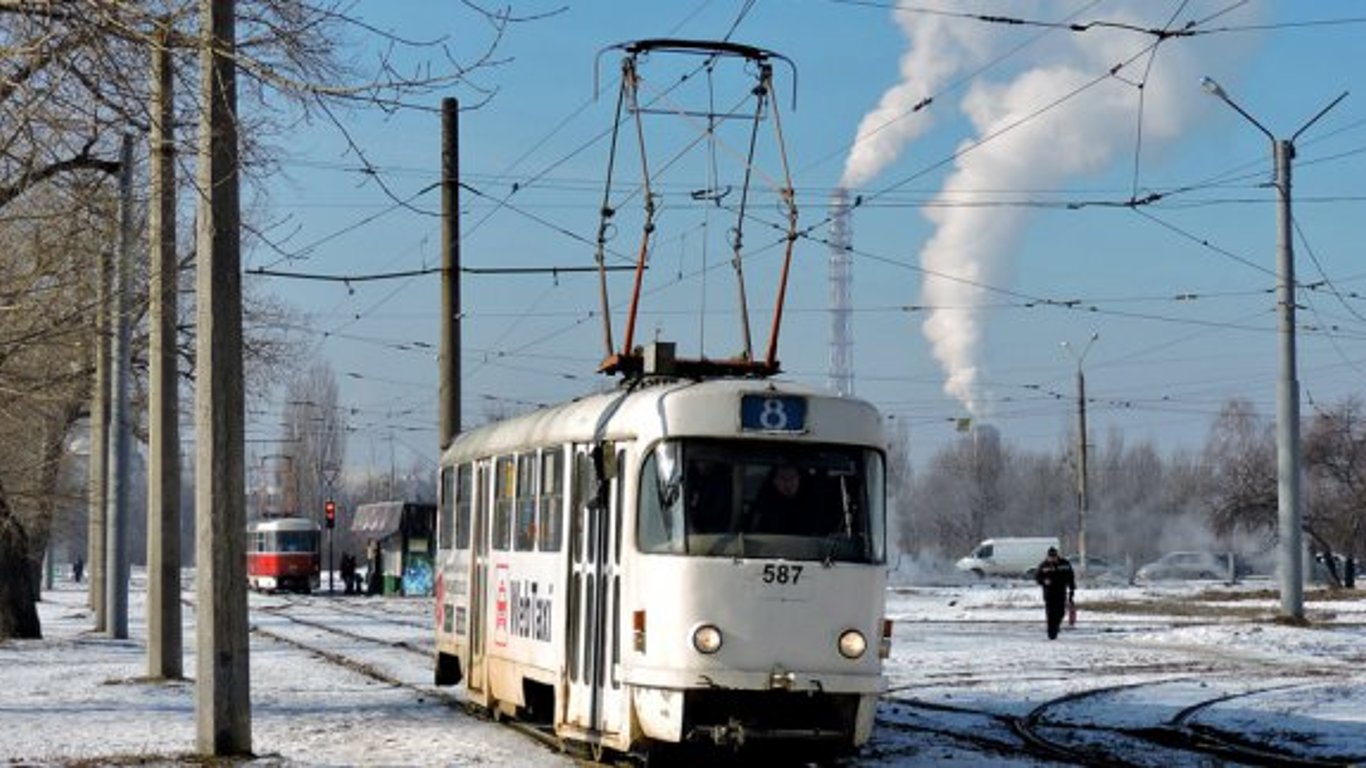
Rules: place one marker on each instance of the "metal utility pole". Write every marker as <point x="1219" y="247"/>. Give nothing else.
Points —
<point x="120" y="455"/>
<point x="222" y="678"/>
<point x="1082" y="500"/>
<point x="1289" y="504"/>
<point x="164" y="644"/>
<point x="450" y="272"/>
<point x="99" y="444"/>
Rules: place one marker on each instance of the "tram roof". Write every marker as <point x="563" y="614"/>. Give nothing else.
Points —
<point x="663" y="407"/>
<point x="282" y="524"/>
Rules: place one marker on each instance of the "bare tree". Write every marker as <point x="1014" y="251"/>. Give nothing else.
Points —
<point x="74" y="81"/>
<point x="1039" y="491"/>
<point x="960" y="498"/>
<point x="1240" y="455"/>
<point x="1335" y="465"/>
<point x="900" y="509"/>
<point x="314" y="435"/>
<point x="1128" y="505"/>
<point x="44" y="363"/>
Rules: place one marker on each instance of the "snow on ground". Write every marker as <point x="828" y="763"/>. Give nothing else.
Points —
<point x="963" y="656"/>
<point x="1158" y="650"/>
<point x="77" y="695"/>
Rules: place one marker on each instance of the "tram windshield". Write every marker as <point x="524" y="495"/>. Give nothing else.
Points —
<point x="764" y="500"/>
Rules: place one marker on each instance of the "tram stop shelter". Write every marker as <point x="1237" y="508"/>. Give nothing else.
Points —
<point x="400" y="538"/>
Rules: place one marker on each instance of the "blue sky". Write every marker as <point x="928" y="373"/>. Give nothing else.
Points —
<point x="993" y="230"/>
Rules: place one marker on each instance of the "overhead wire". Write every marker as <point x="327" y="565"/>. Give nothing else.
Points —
<point x="1203" y="242"/>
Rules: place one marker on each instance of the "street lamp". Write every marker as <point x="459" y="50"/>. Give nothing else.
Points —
<point x="1081" y="448"/>
<point x="1288" y="501"/>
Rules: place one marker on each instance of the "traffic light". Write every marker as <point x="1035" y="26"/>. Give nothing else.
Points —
<point x="330" y="511"/>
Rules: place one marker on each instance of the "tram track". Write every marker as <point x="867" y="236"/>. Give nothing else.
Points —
<point x="543" y="736"/>
<point x="280" y="611"/>
<point x="1095" y="744"/>
<point x="1061" y="729"/>
<point x="356" y="607"/>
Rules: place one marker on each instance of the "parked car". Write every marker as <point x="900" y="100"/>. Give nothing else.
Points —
<point x="1099" y="569"/>
<point x="1185" y="565"/>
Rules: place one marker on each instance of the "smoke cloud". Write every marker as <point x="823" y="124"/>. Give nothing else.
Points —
<point x="1019" y="149"/>
<point x="939" y="49"/>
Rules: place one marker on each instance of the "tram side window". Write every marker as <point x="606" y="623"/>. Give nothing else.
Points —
<point x="505" y="485"/>
<point x="619" y="513"/>
<point x="525" y="539"/>
<point x="583" y="489"/>
<point x="445" y="513"/>
<point x="464" y="493"/>
<point x="551" y="530"/>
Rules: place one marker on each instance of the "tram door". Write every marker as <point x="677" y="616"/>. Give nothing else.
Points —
<point x="479" y="520"/>
<point x="594" y="647"/>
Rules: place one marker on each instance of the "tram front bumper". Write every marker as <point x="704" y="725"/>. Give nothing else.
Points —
<point x="746" y="708"/>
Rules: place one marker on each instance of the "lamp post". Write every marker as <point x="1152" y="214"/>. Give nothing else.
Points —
<point x="1081" y="448"/>
<point x="1288" y="501"/>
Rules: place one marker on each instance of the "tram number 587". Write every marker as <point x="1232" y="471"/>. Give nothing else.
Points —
<point x="781" y="574"/>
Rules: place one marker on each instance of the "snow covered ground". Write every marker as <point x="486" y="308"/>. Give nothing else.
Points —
<point x="970" y="664"/>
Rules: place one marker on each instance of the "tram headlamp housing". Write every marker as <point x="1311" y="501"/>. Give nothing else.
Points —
<point x="852" y="644"/>
<point x="706" y="639"/>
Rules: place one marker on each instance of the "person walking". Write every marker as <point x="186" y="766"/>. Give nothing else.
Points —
<point x="1054" y="574"/>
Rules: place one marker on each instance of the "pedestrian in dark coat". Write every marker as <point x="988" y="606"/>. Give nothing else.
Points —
<point x="1054" y="574"/>
<point x="348" y="573"/>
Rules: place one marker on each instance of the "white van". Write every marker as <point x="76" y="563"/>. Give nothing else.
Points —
<point x="1008" y="556"/>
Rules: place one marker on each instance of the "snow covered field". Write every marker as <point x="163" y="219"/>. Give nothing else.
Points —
<point x="972" y="680"/>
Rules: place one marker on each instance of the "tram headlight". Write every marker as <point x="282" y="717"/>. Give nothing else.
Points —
<point x="852" y="644"/>
<point x="706" y="639"/>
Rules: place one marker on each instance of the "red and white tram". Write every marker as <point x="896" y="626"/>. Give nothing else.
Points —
<point x="605" y="568"/>
<point x="283" y="554"/>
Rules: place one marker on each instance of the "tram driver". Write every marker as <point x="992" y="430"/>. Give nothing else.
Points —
<point x="783" y="504"/>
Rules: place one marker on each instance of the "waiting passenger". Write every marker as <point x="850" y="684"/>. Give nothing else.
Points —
<point x="348" y="573"/>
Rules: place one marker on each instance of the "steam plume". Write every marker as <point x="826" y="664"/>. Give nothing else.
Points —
<point x="1027" y="148"/>
<point x="939" y="49"/>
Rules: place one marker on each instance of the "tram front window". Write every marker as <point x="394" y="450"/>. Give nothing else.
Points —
<point x="760" y="499"/>
<point x="296" y="541"/>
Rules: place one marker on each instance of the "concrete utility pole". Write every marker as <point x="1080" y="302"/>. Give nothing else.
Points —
<point x="222" y="678"/>
<point x="121" y="453"/>
<point x="1289" y="504"/>
<point x="99" y="444"/>
<point x="450" y="272"/>
<point x="1082" y="499"/>
<point x="164" y="646"/>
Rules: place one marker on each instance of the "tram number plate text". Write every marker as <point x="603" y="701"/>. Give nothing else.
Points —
<point x="773" y="413"/>
<point x="781" y="574"/>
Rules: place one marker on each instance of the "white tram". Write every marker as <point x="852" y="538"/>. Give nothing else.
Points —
<point x="605" y="568"/>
